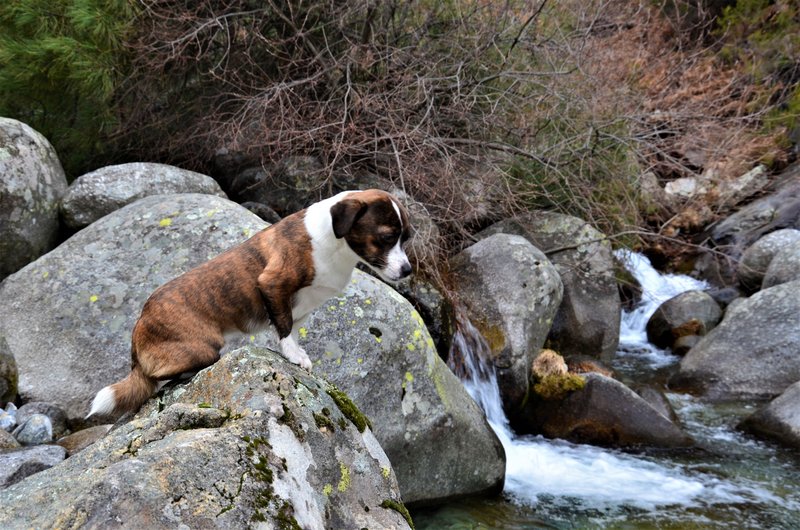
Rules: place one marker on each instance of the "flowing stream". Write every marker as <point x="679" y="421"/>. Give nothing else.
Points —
<point x="729" y="480"/>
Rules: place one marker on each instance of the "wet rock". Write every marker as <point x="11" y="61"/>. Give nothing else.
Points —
<point x="58" y="417"/>
<point x="32" y="183"/>
<point x="605" y="412"/>
<point x="250" y="441"/>
<point x="684" y="343"/>
<point x="34" y="430"/>
<point x="105" y="190"/>
<point x="18" y="465"/>
<point x="689" y="313"/>
<point x="656" y="399"/>
<point x="82" y="299"/>
<point x="587" y="321"/>
<point x="759" y="255"/>
<point x="8" y="373"/>
<point x="752" y="353"/>
<point x="78" y="441"/>
<point x="780" y="419"/>
<point x="374" y="345"/>
<point x="784" y="267"/>
<point x="511" y="292"/>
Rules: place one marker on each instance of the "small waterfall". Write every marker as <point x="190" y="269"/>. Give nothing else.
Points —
<point x="586" y="477"/>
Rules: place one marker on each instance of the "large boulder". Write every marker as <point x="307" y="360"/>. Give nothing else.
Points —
<point x="511" y="293"/>
<point x="374" y="345"/>
<point x="67" y="317"/>
<point x="587" y="322"/>
<point x="251" y="441"/>
<point x="689" y="313"/>
<point x="784" y="267"/>
<point x="780" y="419"/>
<point x="96" y="194"/>
<point x="32" y="183"/>
<point x="759" y="255"/>
<point x="604" y="412"/>
<point x="752" y="353"/>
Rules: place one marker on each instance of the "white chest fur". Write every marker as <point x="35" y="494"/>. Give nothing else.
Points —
<point x="333" y="260"/>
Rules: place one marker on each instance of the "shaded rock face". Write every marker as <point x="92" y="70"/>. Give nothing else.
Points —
<point x="605" y="412"/>
<point x="252" y="439"/>
<point x="17" y="465"/>
<point x="32" y="183"/>
<point x="752" y="353"/>
<point x="692" y="313"/>
<point x="759" y="255"/>
<point x="587" y="322"/>
<point x="75" y="307"/>
<point x="286" y="187"/>
<point x="96" y="194"/>
<point x="784" y="267"/>
<point x="780" y="419"/>
<point x="374" y="346"/>
<point x="511" y="292"/>
<point x="8" y="373"/>
<point x="780" y="209"/>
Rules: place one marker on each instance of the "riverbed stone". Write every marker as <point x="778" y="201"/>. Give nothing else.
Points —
<point x="31" y="186"/>
<point x="511" y="293"/>
<point x="78" y="441"/>
<point x="691" y="313"/>
<point x="252" y="441"/>
<point x="780" y="419"/>
<point x="83" y="298"/>
<point x="96" y="194"/>
<point x="7" y="441"/>
<point x="58" y="418"/>
<point x="784" y="267"/>
<point x="34" y="430"/>
<point x="759" y="255"/>
<point x="374" y="345"/>
<point x="17" y="465"/>
<point x="588" y="319"/>
<point x="752" y="353"/>
<point x="604" y="412"/>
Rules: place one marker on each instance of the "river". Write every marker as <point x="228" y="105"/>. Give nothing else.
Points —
<point x="728" y="480"/>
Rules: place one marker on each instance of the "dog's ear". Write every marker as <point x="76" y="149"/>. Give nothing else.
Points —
<point x="344" y="214"/>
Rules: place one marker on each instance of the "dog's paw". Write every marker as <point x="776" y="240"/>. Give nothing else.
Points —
<point x="295" y="354"/>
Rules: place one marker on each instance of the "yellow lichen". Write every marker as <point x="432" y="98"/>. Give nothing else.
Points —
<point x="93" y="298"/>
<point x="165" y="222"/>
<point x="327" y="489"/>
<point x="385" y="471"/>
<point x="344" y="482"/>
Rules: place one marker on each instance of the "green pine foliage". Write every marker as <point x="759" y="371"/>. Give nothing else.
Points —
<point x="61" y="64"/>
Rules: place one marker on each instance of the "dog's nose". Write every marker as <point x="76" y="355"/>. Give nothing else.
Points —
<point x="405" y="270"/>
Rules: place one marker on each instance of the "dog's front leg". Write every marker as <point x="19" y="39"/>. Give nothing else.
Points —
<point x="277" y="298"/>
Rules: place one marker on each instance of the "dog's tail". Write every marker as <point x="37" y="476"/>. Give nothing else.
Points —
<point x="125" y="396"/>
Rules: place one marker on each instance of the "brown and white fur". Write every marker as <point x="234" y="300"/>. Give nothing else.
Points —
<point x="276" y="277"/>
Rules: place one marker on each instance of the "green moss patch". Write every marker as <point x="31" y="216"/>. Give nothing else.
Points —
<point x="400" y="508"/>
<point x="349" y="409"/>
<point x="557" y="386"/>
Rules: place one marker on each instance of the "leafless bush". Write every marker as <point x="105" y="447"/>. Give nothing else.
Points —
<point x="475" y="108"/>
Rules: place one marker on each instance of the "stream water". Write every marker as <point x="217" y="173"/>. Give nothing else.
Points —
<point x="729" y="480"/>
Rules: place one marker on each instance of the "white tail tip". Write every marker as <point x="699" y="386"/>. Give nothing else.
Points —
<point x="103" y="403"/>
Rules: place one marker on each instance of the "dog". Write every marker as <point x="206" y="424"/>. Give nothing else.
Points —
<point x="276" y="277"/>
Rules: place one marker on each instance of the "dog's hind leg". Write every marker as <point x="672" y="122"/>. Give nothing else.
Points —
<point x="173" y="359"/>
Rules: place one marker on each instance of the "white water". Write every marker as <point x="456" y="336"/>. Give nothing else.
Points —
<point x="656" y="289"/>
<point x="561" y="473"/>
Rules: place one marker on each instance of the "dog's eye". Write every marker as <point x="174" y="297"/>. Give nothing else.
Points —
<point x="388" y="238"/>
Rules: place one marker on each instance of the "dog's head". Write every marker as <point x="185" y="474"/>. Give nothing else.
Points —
<point x="375" y="225"/>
